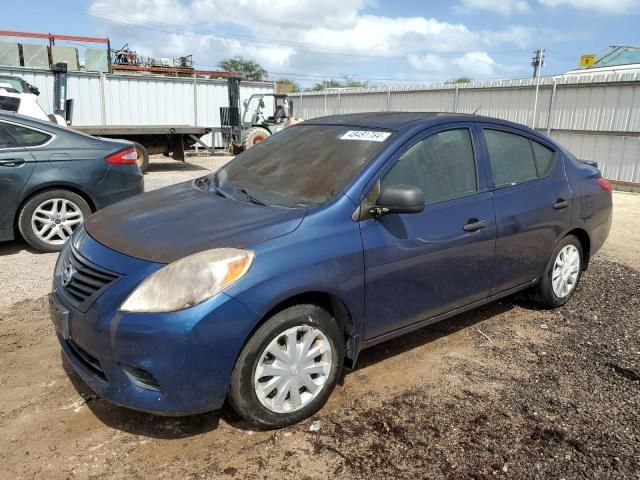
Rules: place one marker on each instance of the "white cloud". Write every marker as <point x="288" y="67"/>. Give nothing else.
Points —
<point x="475" y="64"/>
<point x="308" y="36"/>
<point x="383" y="35"/>
<point x="266" y="15"/>
<point x="597" y="6"/>
<point x="163" y="11"/>
<point x="503" y="7"/>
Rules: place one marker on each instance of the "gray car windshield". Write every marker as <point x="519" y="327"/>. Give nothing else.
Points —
<point x="301" y="166"/>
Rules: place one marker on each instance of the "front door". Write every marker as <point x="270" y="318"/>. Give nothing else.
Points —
<point x="418" y="266"/>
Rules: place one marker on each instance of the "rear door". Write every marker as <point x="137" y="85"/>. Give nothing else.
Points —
<point x="421" y="265"/>
<point x="16" y="166"/>
<point x="532" y="201"/>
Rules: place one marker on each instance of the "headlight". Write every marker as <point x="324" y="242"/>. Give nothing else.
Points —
<point x="189" y="281"/>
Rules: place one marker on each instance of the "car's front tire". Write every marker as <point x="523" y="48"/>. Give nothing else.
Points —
<point x="562" y="274"/>
<point x="47" y="220"/>
<point x="288" y="368"/>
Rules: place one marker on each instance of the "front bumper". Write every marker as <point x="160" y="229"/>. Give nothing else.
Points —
<point x="175" y="363"/>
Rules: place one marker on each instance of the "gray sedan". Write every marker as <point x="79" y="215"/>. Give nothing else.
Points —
<point x="52" y="178"/>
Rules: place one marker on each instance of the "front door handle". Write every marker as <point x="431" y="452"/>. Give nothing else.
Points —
<point x="474" y="225"/>
<point x="11" y="162"/>
<point x="560" y="204"/>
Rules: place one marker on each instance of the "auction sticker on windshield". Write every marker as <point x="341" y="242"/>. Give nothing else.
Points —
<point x="365" y="135"/>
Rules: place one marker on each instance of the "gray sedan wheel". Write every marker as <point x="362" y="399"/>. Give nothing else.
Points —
<point x="49" y="218"/>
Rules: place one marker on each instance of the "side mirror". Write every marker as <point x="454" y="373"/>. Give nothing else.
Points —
<point x="245" y="102"/>
<point x="398" y="199"/>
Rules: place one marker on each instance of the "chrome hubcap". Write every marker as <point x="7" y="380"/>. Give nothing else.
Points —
<point x="566" y="268"/>
<point x="293" y="369"/>
<point x="55" y="220"/>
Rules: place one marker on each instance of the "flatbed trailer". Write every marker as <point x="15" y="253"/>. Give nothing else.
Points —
<point x="170" y="140"/>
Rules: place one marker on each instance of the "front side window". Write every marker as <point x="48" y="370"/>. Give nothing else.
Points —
<point x="27" y="137"/>
<point x="515" y="158"/>
<point x="441" y="165"/>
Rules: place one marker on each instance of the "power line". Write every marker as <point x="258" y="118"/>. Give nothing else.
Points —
<point x="258" y="42"/>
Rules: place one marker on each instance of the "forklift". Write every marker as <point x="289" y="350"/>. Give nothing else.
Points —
<point x="242" y="132"/>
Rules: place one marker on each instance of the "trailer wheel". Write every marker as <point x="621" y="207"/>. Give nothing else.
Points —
<point x="143" y="157"/>
<point x="254" y="135"/>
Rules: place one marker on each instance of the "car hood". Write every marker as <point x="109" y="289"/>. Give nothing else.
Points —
<point x="168" y="224"/>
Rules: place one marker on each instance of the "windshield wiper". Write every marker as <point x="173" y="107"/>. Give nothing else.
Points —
<point x="250" y="197"/>
<point x="213" y="186"/>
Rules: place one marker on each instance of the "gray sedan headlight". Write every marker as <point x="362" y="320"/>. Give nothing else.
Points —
<point x="189" y="281"/>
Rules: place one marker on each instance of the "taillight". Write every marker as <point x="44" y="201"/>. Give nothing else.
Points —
<point x="123" y="157"/>
<point x="604" y="184"/>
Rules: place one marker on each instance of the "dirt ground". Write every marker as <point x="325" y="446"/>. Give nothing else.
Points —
<point x="506" y="391"/>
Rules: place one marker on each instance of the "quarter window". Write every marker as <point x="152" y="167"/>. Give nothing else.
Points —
<point x="515" y="158"/>
<point x="27" y="137"/>
<point x="441" y="165"/>
<point x="543" y="157"/>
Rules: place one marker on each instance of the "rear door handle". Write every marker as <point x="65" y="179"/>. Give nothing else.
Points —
<point x="11" y="162"/>
<point x="474" y="225"/>
<point x="560" y="204"/>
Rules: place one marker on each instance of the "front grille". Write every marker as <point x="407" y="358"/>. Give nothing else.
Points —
<point x="90" y="362"/>
<point x="82" y="280"/>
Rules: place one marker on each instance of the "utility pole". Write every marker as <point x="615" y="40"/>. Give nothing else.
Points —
<point x="537" y="63"/>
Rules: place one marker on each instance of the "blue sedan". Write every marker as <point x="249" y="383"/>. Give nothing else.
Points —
<point x="258" y="283"/>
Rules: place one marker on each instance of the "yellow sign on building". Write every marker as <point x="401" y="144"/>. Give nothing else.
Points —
<point x="587" y="61"/>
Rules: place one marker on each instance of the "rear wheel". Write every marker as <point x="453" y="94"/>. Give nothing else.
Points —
<point x="49" y="218"/>
<point x="288" y="368"/>
<point x="143" y="157"/>
<point x="562" y="274"/>
<point x="254" y="135"/>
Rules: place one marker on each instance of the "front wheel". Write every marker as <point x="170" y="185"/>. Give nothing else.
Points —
<point x="253" y="136"/>
<point x="562" y="274"/>
<point x="288" y="368"/>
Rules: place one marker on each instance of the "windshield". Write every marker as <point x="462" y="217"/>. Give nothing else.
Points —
<point x="14" y="82"/>
<point x="301" y="166"/>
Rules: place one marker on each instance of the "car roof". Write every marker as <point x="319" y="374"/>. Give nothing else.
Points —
<point x="401" y="120"/>
<point x="34" y="122"/>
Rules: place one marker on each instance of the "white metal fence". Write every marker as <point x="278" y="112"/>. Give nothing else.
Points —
<point x="104" y="99"/>
<point x="597" y="117"/>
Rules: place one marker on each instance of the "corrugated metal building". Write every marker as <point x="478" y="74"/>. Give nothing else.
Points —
<point x="596" y="117"/>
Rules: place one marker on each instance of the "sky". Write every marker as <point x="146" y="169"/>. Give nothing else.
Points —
<point x="382" y="42"/>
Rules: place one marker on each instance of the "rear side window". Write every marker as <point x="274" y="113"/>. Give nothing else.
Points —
<point x="6" y="140"/>
<point x="27" y="137"/>
<point x="515" y="158"/>
<point x="441" y="165"/>
<point x="10" y="104"/>
<point x="510" y="156"/>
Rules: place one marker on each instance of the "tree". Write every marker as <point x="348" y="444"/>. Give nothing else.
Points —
<point x="461" y="80"/>
<point x="346" y="83"/>
<point x="327" y="84"/>
<point x="243" y="67"/>
<point x="287" y="86"/>
<point x="355" y="84"/>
